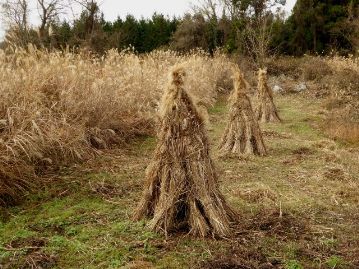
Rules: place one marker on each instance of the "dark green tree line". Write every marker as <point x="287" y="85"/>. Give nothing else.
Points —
<point x="144" y="35"/>
<point x="320" y="26"/>
<point x="252" y="27"/>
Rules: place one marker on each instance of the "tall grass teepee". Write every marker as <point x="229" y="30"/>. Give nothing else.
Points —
<point x="266" y="110"/>
<point x="182" y="192"/>
<point x="242" y="134"/>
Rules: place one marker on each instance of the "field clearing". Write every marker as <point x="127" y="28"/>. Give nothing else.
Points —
<point x="299" y="206"/>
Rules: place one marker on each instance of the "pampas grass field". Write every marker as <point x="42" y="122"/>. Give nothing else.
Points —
<point x="59" y="108"/>
<point x="77" y="132"/>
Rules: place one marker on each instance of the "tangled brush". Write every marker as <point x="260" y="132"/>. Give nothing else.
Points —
<point x="266" y="110"/>
<point x="182" y="192"/>
<point x="242" y="134"/>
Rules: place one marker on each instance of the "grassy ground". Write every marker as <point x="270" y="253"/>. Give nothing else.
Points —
<point x="299" y="207"/>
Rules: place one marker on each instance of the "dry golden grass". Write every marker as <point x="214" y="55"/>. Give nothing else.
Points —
<point x="332" y="77"/>
<point x="340" y="63"/>
<point x="60" y="107"/>
<point x="343" y="102"/>
<point x="343" y="130"/>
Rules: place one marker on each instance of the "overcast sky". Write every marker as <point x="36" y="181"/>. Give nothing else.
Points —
<point x="139" y="8"/>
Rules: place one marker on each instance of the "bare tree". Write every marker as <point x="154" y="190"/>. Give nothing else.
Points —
<point x="15" y="13"/>
<point x="190" y="33"/>
<point x="259" y="8"/>
<point x="234" y="8"/>
<point x="258" y="35"/>
<point x="92" y="7"/>
<point x="354" y="36"/>
<point x="15" y="16"/>
<point x="259" y="26"/>
<point x="48" y="11"/>
<point x="209" y="8"/>
<point x="352" y="23"/>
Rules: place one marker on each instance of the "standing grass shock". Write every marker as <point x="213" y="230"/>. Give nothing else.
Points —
<point x="242" y="134"/>
<point x="182" y="192"/>
<point x="266" y="110"/>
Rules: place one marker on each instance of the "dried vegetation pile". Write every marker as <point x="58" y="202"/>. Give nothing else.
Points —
<point x="266" y="109"/>
<point x="242" y="134"/>
<point x="182" y="192"/>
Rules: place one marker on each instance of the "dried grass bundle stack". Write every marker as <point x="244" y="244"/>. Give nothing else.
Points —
<point x="182" y="192"/>
<point x="242" y="134"/>
<point x="266" y="110"/>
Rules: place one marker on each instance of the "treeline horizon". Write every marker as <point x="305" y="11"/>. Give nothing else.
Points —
<point x="314" y="27"/>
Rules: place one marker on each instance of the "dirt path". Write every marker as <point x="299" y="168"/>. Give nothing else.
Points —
<point x="299" y="207"/>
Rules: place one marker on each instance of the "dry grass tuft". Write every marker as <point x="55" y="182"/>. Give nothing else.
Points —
<point x="335" y="174"/>
<point x="182" y="192"/>
<point x="139" y="265"/>
<point x="34" y="256"/>
<point x="303" y="151"/>
<point x="238" y="257"/>
<point x="245" y="252"/>
<point x="257" y="195"/>
<point x="344" y="131"/>
<point x="281" y="224"/>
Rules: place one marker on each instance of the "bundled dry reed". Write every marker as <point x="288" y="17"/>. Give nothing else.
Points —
<point x="242" y="134"/>
<point x="60" y="107"/>
<point x="266" y="110"/>
<point x="181" y="192"/>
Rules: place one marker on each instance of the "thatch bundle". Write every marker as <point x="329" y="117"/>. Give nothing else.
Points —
<point x="181" y="192"/>
<point x="266" y="110"/>
<point x="242" y="134"/>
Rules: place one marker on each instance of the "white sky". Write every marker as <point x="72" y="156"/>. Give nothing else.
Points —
<point x="139" y="8"/>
